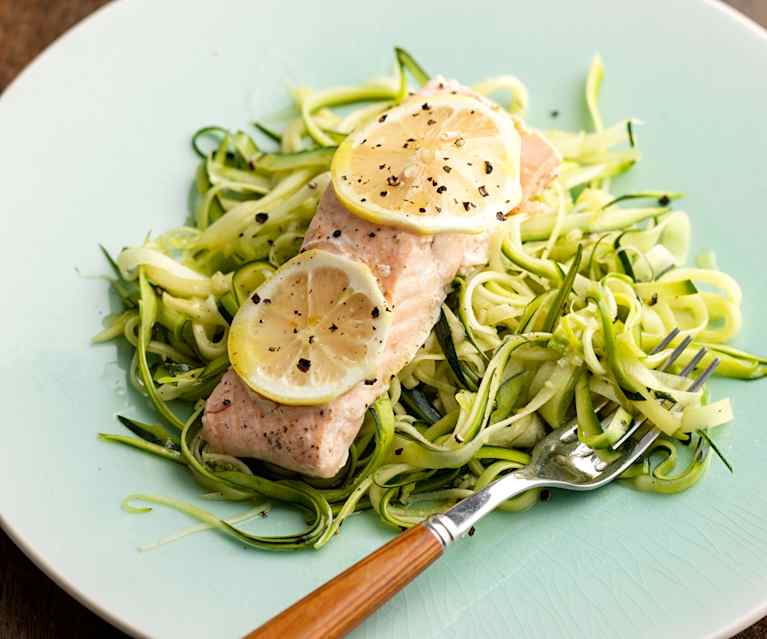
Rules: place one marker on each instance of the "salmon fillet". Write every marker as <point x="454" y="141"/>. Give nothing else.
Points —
<point x="413" y="272"/>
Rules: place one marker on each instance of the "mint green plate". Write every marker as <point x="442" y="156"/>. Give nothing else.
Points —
<point x="95" y="137"/>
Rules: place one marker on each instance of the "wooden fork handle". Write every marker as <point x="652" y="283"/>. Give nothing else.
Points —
<point x="342" y="603"/>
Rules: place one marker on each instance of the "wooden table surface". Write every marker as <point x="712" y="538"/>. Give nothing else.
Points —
<point x="31" y="605"/>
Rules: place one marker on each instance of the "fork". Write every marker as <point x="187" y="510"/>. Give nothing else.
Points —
<point x="559" y="460"/>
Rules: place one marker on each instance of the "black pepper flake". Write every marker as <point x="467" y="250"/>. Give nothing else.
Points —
<point x="375" y="312"/>
<point x="392" y="180"/>
<point x="295" y="331"/>
<point x="255" y="298"/>
<point x="554" y="113"/>
<point x="654" y="299"/>
<point x="488" y="168"/>
<point x="262" y="217"/>
<point x="227" y="402"/>
<point x="363" y="141"/>
<point x="273" y="349"/>
<point x="370" y="382"/>
<point x="431" y="121"/>
<point x="446" y="168"/>
<point x="466" y="206"/>
<point x="333" y="328"/>
<point x="483" y="191"/>
<point x="399" y="451"/>
<point x="267" y="300"/>
<point x="364" y="199"/>
<point x="337" y="233"/>
<point x="304" y="365"/>
<point x="381" y="167"/>
<point x="384" y="193"/>
<point x="371" y="234"/>
<point x="422" y="210"/>
<point x="263" y="514"/>
<point x="382" y="118"/>
<point x="664" y="200"/>
<point x="500" y="216"/>
<point x="471" y="532"/>
<point x="438" y="209"/>
<point x="441" y="189"/>
<point x="311" y="339"/>
<point x="459" y="142"/>
<point x="425" y="106"/>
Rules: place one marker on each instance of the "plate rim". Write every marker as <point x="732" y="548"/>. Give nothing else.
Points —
<point x="742" y="622"/>
<point x="27" y="548"/>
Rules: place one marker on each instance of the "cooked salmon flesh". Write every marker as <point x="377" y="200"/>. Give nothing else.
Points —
<point x="414" y="273"/>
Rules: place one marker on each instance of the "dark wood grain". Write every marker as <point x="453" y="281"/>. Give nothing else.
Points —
<point x="341" y="604"/>
<point x="31" y="605"/>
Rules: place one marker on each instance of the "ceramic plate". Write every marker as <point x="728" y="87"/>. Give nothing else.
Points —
<point x="95" y="137"/>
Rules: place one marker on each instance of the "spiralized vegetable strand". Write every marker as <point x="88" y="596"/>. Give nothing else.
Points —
<point x="569" y="313"/>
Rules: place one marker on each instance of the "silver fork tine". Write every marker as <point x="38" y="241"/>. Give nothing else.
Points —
<point x="693" y="362"/>
<point x="677" y="352"/>
<point x="704" y="376"/>
<point x="665" y="341"/>
<point x="627" y="435"/>
<point x="668" y="363"/>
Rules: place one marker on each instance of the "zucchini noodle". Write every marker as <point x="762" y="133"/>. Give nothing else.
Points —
<point x="563" y="318"/>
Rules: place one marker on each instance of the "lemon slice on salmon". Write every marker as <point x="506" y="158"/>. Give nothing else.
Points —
<point x="447" y="162"/>
<point x="313" y="330"/>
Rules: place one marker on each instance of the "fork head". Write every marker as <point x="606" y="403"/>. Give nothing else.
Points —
<point x="562" y="460"/>
<point x="562" y="457"/>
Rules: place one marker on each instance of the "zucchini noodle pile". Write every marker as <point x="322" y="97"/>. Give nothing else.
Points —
<point x="577" y="293"/>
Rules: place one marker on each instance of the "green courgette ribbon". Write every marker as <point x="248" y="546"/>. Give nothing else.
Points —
<point x="564" y="316"/>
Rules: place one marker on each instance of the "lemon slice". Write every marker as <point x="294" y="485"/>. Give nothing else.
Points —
<point x="448" y="162"/>
<point x="312" y="331"/>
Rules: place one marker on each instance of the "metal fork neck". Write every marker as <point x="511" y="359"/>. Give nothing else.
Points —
<point x="458" y="521"/>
